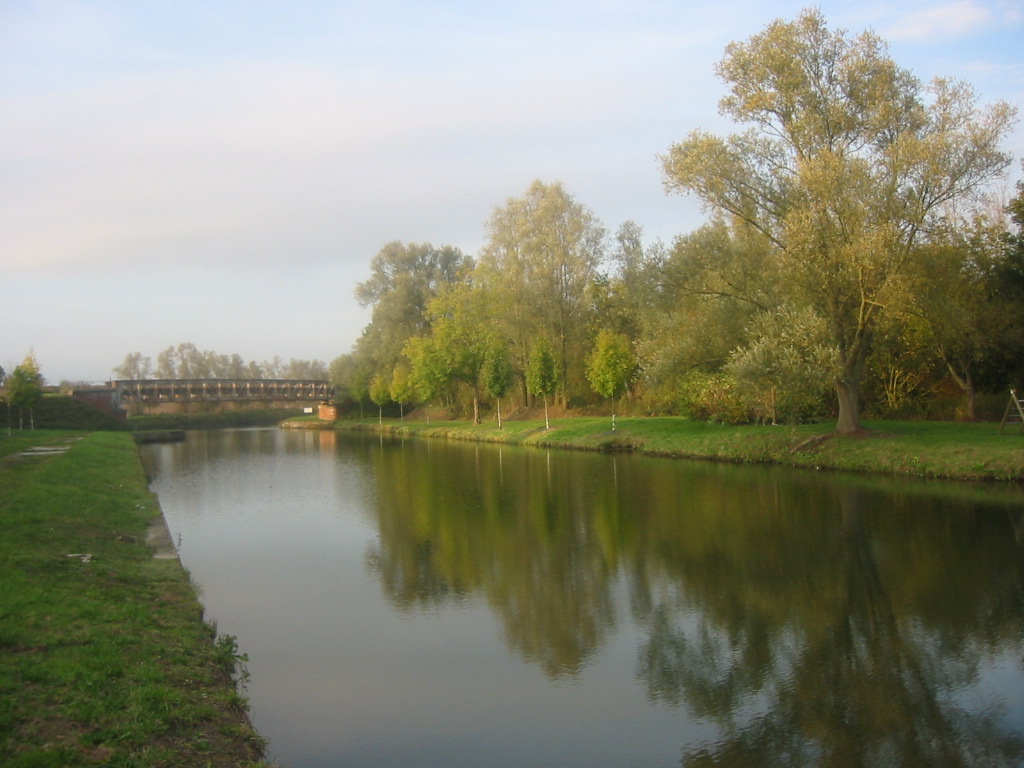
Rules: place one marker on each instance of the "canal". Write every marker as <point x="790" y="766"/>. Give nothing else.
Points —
<point x="443" y="604"/>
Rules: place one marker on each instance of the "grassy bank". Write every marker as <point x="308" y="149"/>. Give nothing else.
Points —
<point x="104" y="657"/>
<point x="923" y="449"/>
<point x="265" y="417"/>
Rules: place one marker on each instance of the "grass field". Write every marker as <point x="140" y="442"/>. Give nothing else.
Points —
<point x="104" y="657"/>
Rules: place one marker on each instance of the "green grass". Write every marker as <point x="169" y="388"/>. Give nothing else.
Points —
<point x="923" y="449"/>
<point x="104" y="656"/>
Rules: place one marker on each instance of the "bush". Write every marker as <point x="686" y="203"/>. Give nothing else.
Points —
<point x="712" y="397"/>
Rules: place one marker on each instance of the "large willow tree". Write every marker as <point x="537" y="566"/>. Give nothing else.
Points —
<point x="846" y="161"/>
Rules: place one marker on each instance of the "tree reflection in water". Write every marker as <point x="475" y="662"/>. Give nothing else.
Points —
<point x="833" y="622"/>
<point x="859" y="670"/>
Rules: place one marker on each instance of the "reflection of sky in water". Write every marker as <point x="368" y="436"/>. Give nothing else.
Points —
<point x="282" y="530"/>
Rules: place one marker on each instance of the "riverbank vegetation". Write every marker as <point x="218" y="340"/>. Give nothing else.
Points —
<point x="104" y="656"/>
<point x="961" y="451"/>
<point x="214" y="419"/>
<point x="858" y="264"/>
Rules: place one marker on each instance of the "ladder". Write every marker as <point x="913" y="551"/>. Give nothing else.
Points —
<point x="1014" y="412"/>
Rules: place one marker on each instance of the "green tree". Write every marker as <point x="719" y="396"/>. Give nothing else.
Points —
<point x="542" y="374"/>
<point x="350" y="375"/>
<point x="624" y="298"/>
<point x="428" y="371"/>
<point x="903" y="369"/>
<point x="610" y="366"/>
<point x="711" y="286"/>
<point x="540" y="261"/>
<point x="497" y="374"/>
<point x="462" y="333"/>
<point x="404" y="279"/>
<point x="847" y="161"/>
<point x="25" y="388"/>
<point x="786" y="364"/>
<point x="380" y="393"/>
<point x="401" y="388"/>
<point x="959" y="304"/>
<point x="1005" y="367"/>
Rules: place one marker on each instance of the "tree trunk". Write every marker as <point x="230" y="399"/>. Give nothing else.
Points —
<point x="966" y="383"/>
<point x="547" y="422"/>
<point x="848" y="394"/>
<point x="972" y="403"/>
<point x="498" y="401"/>
<point x="848" y="384"/>
<point x="476" y="408"/>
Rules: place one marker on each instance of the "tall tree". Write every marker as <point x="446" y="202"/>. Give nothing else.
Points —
<point x="847" y="161"/>
<point x="191" y="362"/>
<point x="404" y="278"/>
<point x="135" y="366"/>
<point x="462" y="333"/>
<point x="542" y="256"/>
<point x="166" y="365"/>
<point x="623" y="297"/>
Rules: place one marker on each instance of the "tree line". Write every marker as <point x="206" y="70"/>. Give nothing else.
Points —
<point x="854" y="259"/>
<point x="187" y="361"/>
<point x="22" y="388"/>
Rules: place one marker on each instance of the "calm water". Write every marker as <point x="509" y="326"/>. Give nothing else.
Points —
<point x="445" y="604"/>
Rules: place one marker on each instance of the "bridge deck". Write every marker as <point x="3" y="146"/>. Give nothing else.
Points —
<point x="151" y="391"/>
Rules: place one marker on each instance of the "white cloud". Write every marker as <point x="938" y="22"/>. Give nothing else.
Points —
<point x="941" y="22"/>
<point x="250" y="156"/>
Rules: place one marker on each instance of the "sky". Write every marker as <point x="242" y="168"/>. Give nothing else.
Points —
<point x="222" y="172"/>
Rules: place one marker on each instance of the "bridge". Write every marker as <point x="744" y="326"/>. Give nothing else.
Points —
<point x="154" y="391"/>
<point x="138" y="395"/>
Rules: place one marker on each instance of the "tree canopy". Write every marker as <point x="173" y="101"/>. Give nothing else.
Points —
<point x="847" y="162"/>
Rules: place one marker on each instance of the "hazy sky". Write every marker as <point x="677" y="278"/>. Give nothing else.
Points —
<point x="223" y="172"/>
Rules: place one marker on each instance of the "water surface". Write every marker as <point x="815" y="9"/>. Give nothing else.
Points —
<point x="449" y="604"/>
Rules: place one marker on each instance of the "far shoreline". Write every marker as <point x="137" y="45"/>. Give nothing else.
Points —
<point x="947" y="450"/>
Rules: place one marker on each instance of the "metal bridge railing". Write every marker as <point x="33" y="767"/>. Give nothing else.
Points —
<point x="217" y="390"/>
